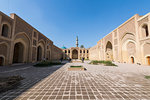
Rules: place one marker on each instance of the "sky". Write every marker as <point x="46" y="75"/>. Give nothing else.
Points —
<point x="62" y="20"/>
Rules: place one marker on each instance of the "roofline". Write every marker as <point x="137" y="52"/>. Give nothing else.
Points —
<point x="120" y="25"/>
<point x="143" y="16"/>
<point x="6" y="15"/>
<point x="31" y="26"/>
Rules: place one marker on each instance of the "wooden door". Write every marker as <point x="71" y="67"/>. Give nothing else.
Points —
<point x="148" y="60"/>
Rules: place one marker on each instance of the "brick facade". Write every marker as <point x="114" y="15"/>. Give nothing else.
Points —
<point x="129" y="41"/>
<point x="16" y="33"/>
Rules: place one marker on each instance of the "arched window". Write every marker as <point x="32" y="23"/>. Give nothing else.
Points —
<point x="65" y="51"/>
<point x="87" y="51"/>
<point x="109" y="51"/>
<point x="80" y="51"/>
<point x="83" y="51"/>
<point x="68" y="51"/>
<point x="5" y="30"/>
<point x="145" y="30"/>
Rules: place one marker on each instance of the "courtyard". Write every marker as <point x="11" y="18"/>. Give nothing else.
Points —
<point x="124" y="82"/>
<point x="31" y="74"/>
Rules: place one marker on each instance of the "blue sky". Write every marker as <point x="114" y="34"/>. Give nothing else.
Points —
<point x="62" y="20"/>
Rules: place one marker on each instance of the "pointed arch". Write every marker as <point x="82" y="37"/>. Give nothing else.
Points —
<point x="74" y="54"/>
<point x="128" y="50"/>
<point x="4" y="52"/>
<point x="109" y="51"/>
<point x="21" y="48"/>
<point x="40" y="50"/>
<point x="145" y="49"/>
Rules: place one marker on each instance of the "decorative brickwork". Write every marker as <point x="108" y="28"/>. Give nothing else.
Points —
<point x="20" y="32"/>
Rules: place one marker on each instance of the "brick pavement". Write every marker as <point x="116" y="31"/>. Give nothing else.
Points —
<point x="31" y="74"/>
<point x="96" y="83"/>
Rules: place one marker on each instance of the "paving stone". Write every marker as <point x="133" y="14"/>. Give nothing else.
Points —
<point x="98" y="82"/>
<point x="31" y="74"/>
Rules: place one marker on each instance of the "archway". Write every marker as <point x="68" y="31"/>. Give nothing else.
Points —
<point x="1" y="61"/>
<point x="128" y="47"/>
<point x="39" y="53"/>
<point x="18" y="53"/>
<point x="74" y="54"/>
<point x="148" y="60"/>
<point x="132" y="60"/>
<point x="22" y="41"/>
<point x="48" y="55"/>
<point x="109" y="52"/>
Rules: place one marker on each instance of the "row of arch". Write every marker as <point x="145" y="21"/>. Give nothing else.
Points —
<point x="81" y="51"/>
<point x="75" y="54"/>
<point x="21" y="50"/>
<point x="129" y="50"/>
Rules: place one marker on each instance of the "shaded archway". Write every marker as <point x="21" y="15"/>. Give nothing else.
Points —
<point x="148" y="60"/>
<point x="18" y="53"/>
<point x="109" y="52"/>
<point x="1" y="61"/>
<point x="74" y="54"/>
<point x="24" y="40"/>
<point x="39" y="53"/>
<point x="4" y="52"/>
<point x="132" y="60"/>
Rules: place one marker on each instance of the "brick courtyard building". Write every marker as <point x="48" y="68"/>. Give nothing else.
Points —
<point x="75" y="52"/>
<point x="22" y="43"/>
<point x="128" y="43"/>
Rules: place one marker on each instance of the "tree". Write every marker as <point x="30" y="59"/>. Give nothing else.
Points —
<point x="82" y="46"/>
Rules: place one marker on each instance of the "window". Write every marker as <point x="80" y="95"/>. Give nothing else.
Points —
<point x="68" y="51"/>
<point x="87" y="51"/>
<point x="145" y="29"/>
<point x="34" y="42"/>
<point x="80" y="51"/>
<point x="5" y="30"/>
<point x="84" y="51"/>
<point x="35" y="34"/>
<point x="65" y="51"/>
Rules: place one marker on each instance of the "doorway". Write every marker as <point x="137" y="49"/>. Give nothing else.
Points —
<point x="18" y="53"/>
<point x="39" y="53"/>
<point x="1" y="61"/>
<point x="132" y="60"/>
<point x="148" y="60"/>
<point x="74" y="54"/>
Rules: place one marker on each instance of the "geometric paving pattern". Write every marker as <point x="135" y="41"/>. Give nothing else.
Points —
<point x="94" y="84"/>
<point x="31" y="74"/>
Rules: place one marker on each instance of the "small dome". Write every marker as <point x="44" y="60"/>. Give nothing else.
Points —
<point x="63" y="47"/>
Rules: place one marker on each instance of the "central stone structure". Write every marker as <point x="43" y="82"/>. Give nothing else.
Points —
<point x="75" y="52"/>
